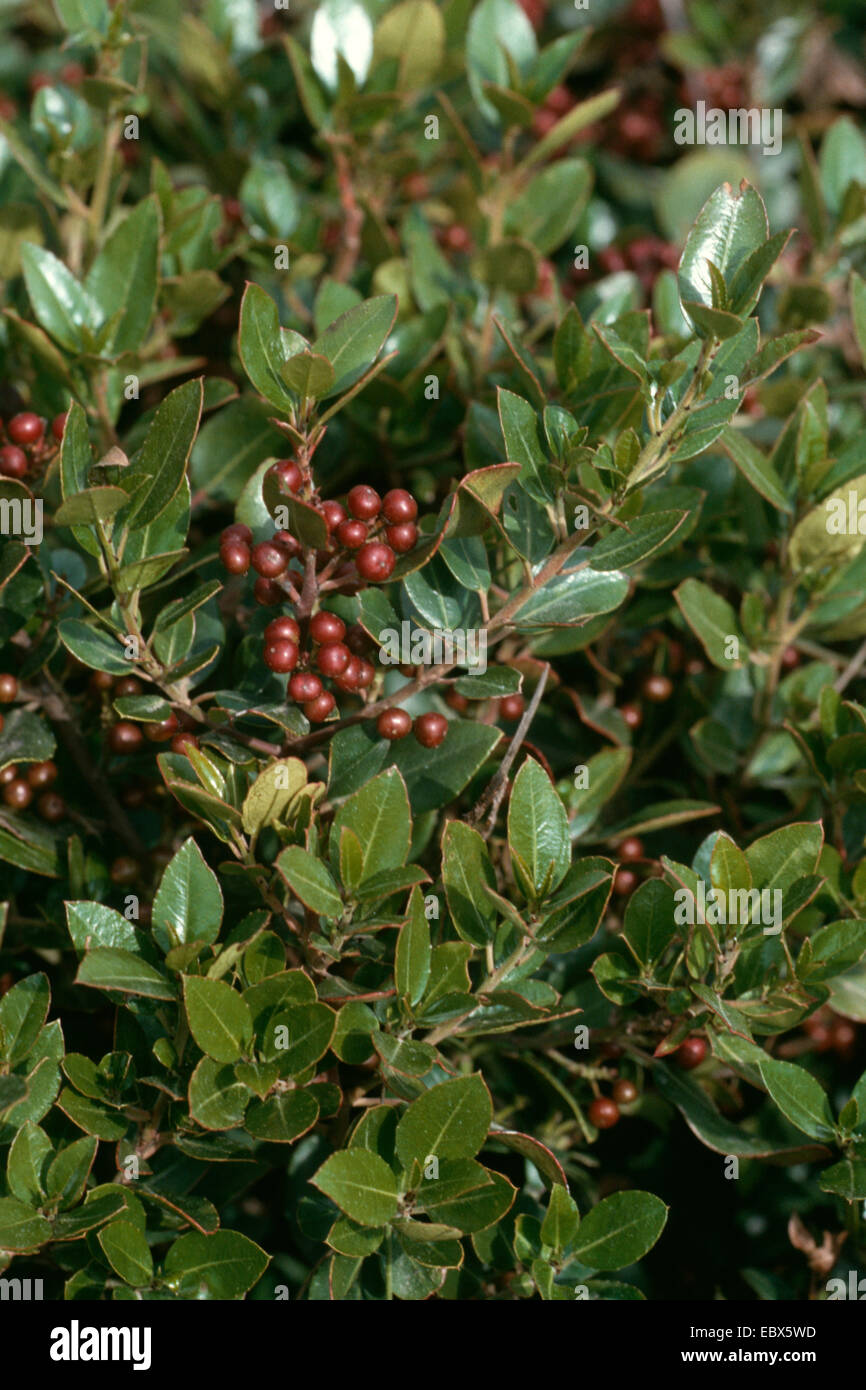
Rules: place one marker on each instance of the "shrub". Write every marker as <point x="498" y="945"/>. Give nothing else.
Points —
<point x="432" y="618"/>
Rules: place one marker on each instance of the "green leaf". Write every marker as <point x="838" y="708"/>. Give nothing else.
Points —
<point x="353" y="341"/>
<point x="466" y="867"/>
<point x="841" y="162"/>
<point x="25" y="738"/>
<point x="310" y="881"/>
<point x="546" y="213"/>
<point x="21" y="1228"/>
<point x="361" y="1184"/>
<point x="713" y="621"/>
<point x="435" y="776"/>
<point x="127" y="1251"/>
<point x="27" y="1162"/>
<point x="94" y="924"/>
<point x="538" y="829"/>
<point x="729" y="227"/>
<point x="299" y="1036"/>
<point x="450" y="1120"/>
<point x="379" y="815"/>
<point x="620" y="1230"/>
<point x="755" y="468"/>
<point x="157" y="471"/>
<point x="645" y="535"/>
<point x="219" y="1019"/>
<point x="858" y="311"/>
<point x="61" y="305"/>
<point x="92" y="1117"/>
<point x="23" y="1011"/>
<point x="835" y="948"/>
<point x="67" y="1175"/>
<point x="519" y="423"/>
<point x="217" y="1100"/>
<point x="466" y="1195"/>
<point x="497" y="29"/>
<point x="584" y="114"/>
<point x="94" y="647"/>
<point x="283" y="1118"/>
<point x="188" y="901"/>
<point x="264" y="347"/>
<point x="88" y="507"/>
<point x="800" y="1097"/>
<point x="413" y="34"/>
<point x="412" y="957"/>
<point x="224" y="1265"/>
<point x="846" y="1179"/>
<point x="110" y="968"/>
<point x="308" y="375"/>
<point x="571" y="598"/>
<point x="559" y="1227"/>
<point x="122" y="280"/>
<point x="649" y="921"/>
<point x="778" y="859"/>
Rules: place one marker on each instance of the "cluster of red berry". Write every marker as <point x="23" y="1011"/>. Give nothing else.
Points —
<point x="26" y="444"/>
<point x="19" y="787"/>
<point x="123" y="735"/>
<point x="604" y="1112"/>
<point x="830" y="1033"/>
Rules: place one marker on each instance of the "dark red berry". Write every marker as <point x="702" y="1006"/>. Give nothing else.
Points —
<point x="357" y="640"/>
<point x="235" y="557"/>
<point x="25" y="428"/>
<point x="17" y="794"/>
<point x="691" y="1053"/>
<point x="399" y="505"/>
<point x="790" y="659"/>
<point x="181" y="742"/>
<point x="287" y="474"/>
<point x="304" y="686"/>
<point x="430" y="729"/>
<point x="364" y="502"/>
<point x="626" y="882"/>
<point x="267" y="593"/>
<point x="657" y="689"/>
<point x="402" y="537"/>
<point x="624" y="1092"/>
<point x="100" y="682"/>
<point x="13" y="461"/>
<point x="604" y="1113"/>
<point x="127" y="685"/>
<point x="375" y="562"/>
<point x="162" y="731"/>
<point x="8" y="688"/>
<point x="318" y="710"/>
<point x="124" y="737"/>
<point x="281" y="655"/>
<point x="58" y="425"/>
<point x="351" y="534"/>
<point x="394" y="723"/>
<point x="333" y="513"/>
<point x="632" y="715"/>
<point x="269" y="560"/>
<point x="8" y="774"/>
<point x="327" y="627"/>
<point x="333" y="658"/>
<point x="289" y="543"/>
<point x="630" y="848"/>
<point x="511" y="706"/>
<point x="237" y="532"/>
<point x="42" y="774"/>
<point x="284" y="628"/>
<point x="51" y="807"/>
<point x="366" y="674"/>
<point x="350" y="680"/>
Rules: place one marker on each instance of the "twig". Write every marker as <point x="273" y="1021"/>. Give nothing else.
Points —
<point x="495" y="790"/>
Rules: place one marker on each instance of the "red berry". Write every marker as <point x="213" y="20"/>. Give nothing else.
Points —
<point x="333" y="514"/>
<point x="284" y="627"/>
<point x="691" y="1053"/>
<point x="327" y="627"/>
<point x="162" y="731"/>
<point x="51" y="807"/>
<point x="124" y="870"/>
<point x="399" y="505"/>
<point x="25" y="428"/>
<point x="100" y="681"/>
<point x="624" y="1092"/>
<point x="58" y="425"/>
<point x="287" y="474"/>
<point x="304" y="686"/>
<point x="8" y="774"/>
<point x="626" y="882"/>
<point x="456" y="701"/>
<point x="318" y="710"/>
<point x="42" y="774"/>
<point x="357" y="640"/>
<point x="604" y="1113"/>
<point x="430" y="729"/>
<point x="393" y="723"/>
<point x="351" y="534"/>
<point x="350" y="680"/>
<point x="237" y="532"/>
<point x="13" y="461"/>
<point x="289" y="543"/>
<point x="235" y="557"/>
<point x="281" y="655"/>
<point x="181" y="742"/>
<point x="456" y="237"/>
<point x="630" y="848"/>
<point x="269" y="560"/>
<point x="17" y="794"/>
<point x="402" y="537"/>
<point x="375" y="562"/>
<point x="632" y="715"/>
<point x="511" y="706"/>
<point x="126" y="685"/>
<point x="333" y="658"/>
<point x="8" y="688"/>
<point x="124" y="737"/>
<point x="790" y="659"/>
<point x="267" y="593"/>
<point x="367" y="673"/>
<point x="657" y="689"/>
<point x="364" y="502"/>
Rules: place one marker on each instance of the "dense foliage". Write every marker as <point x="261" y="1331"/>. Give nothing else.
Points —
<point x="432" y="618"/>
